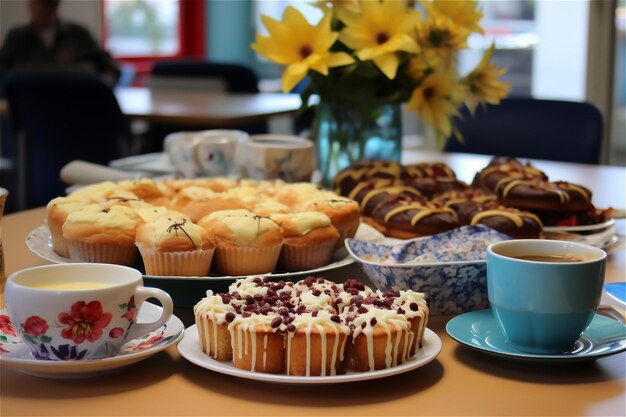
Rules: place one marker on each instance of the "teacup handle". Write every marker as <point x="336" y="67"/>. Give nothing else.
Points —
<point x="195" y="155"/>
<point x="141" y="295"/>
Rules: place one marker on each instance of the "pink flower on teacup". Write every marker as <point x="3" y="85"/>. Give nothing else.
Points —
<point x="116" y="332"/>
<point x="85" y="321"/>
<point x="131" y="309"/>
<point x="148" y="343"/>
<point x="5" y="325"/>
<point x="35" y="326"/>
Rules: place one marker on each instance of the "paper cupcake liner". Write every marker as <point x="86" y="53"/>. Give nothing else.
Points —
<point x="59" y="243"/>
<point x="184" y="263"/>
<point x="302" y="258"/>
<point x="246" y="260"/>
<point x="102" y="253"/>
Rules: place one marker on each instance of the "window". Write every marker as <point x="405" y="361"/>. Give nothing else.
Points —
<point x="142" y="28"/>
<point x="140" y="32"/>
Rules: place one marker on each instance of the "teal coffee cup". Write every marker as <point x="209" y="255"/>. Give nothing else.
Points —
<point x="544" y="293"/>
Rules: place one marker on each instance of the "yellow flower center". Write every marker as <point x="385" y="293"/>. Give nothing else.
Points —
<point x="305" y="51"/>
<point x="438" y="37"/>
<point x="382" y="37"/>
<point x="428" y="93"/>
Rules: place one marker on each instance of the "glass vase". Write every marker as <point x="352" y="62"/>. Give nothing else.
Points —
<point x="346" y="134"/>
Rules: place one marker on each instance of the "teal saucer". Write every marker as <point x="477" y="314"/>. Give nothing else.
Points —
<point x="479" y="330"/>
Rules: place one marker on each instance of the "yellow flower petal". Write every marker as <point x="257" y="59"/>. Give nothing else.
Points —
<point x="293" y="74"/>
<point x="388" y="64"/>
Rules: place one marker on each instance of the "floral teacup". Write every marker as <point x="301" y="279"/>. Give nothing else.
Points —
<point x="290" y="158"/>
<point x="211" y="153"/>
<point x="80" y="311"/>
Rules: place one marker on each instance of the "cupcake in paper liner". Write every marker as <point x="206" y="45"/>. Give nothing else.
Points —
<point x="172" y="245"/>
<point x="106" y="235"/>
<point x="309" y="240"/>
<point x="246" y="244"/>
<point x="57" y="211"/>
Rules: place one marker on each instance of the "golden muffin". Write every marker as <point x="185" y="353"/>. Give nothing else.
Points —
<point x="171" y="246"/>
<point x="246" y="244"/>
<point x="106" y="235"/>
<point x="309" y="240"/>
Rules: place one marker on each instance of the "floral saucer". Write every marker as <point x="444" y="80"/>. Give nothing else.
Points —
<point x="479" y="330"/>
<point x="15" y="354"/>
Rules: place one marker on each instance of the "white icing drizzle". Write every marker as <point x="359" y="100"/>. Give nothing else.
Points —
<point x="213" y="309"/>
<point x="247" y="286"/>
<point x="389" y="320"/>
<point x="404" y="300"/>
<point x="246" y="328"/>
<point x="321" y="322"/>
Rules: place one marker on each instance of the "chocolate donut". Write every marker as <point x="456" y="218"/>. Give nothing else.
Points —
<point x="510" y="221"/>
<point x="348" y="178"/>
<point x="579" y="197"/>
<point x="427" y="170"/>
<point x="431" y="186"/>
<point x="500" y="168"/>
<point x="531" y="194"/>
<point x="406" y="218"/>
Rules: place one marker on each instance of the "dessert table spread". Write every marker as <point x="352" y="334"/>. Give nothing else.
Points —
<point x="459" y="381"/>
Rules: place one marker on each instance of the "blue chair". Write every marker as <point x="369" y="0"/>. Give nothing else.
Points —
<point x="531" y="128"/>
<point x="56" y="117"/>
<point x="236" y="78"/>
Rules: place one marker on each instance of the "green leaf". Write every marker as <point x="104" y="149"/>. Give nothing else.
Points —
<point x="46" y="339"/>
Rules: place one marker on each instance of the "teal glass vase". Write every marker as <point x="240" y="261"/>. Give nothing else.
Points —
<point x="346" y="134"/>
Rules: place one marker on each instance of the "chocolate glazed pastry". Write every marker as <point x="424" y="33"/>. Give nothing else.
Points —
<point x="348" y="178"/>
<point x="510" y="221"/>
<point x="532" y="194"/>
<point x="453" y="198"/>
<point x="427" y="170"/>
<point x="431" y="186"/>
<point x="500" y="168"/>
<point x="406" y="218"/>
<point x="579" y="197"/>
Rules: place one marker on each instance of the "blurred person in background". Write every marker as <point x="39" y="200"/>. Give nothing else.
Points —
<point x="48" y="42"/>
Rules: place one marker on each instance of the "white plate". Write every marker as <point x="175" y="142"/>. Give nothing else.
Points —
<point x="580" y="228"/>
<point x="40" y="243"/>
<point x="190" y="349"/>
<point x="15" y="354"/>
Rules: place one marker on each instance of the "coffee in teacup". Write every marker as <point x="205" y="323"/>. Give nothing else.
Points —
<point x="79" y="311"/>
<point x="544" y="293"/>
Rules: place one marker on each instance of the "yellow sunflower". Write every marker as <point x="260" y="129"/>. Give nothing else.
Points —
<point x="440" y="40"/>
<point x="382" y="29"/>
<point x="463" y="13"/>
<point x="299" y="45"/>
<point x="483" y="84"/>
<point x="436" y="100"/>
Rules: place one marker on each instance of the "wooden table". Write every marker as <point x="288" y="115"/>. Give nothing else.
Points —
<point x="188" y="107"/>
<point x="458" y="382"/>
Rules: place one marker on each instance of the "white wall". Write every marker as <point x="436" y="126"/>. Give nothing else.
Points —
<point x="86" y="12"/>
<point x="560" y="57"/>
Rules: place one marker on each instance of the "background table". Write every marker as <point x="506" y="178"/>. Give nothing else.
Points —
<point x="458" y="382"/>
<point x="188" y="107"/>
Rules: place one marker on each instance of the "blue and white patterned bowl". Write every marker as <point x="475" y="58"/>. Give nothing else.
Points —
<point x="450" y="268"/>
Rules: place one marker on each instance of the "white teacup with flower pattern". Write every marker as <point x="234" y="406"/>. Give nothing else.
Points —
<point x="210" y="153"/>
<point x="80" y="311"/>
<point x="286" y="157"/>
